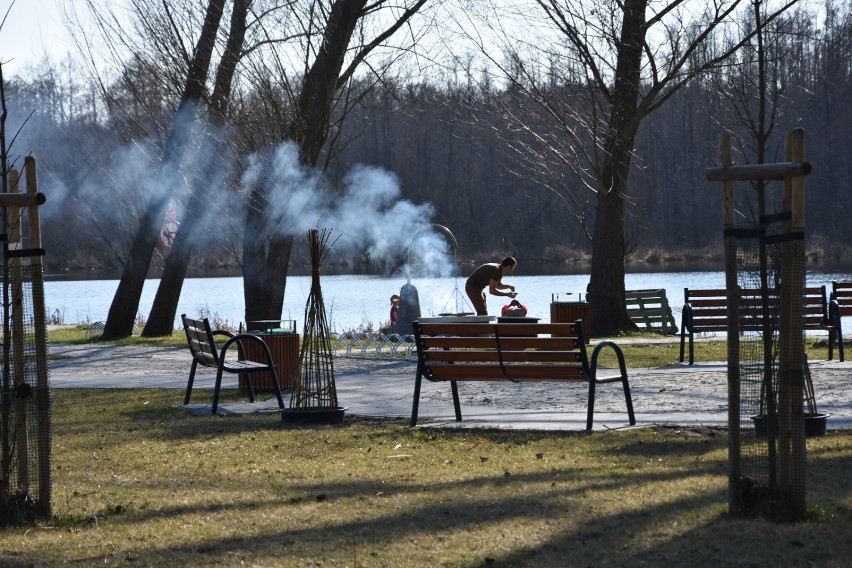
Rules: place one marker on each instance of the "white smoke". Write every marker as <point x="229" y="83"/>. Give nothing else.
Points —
<point x="103" y="183"/>
<point x="366" y="214"/>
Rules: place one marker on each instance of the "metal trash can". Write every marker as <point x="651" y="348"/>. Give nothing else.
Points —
<point x="569" y="312"/>
<point x="283" y="342"/>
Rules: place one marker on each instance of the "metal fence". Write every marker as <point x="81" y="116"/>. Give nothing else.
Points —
<point x="374" y="344"/>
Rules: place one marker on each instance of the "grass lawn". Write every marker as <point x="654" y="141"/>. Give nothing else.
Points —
<point x="139" y="482"/>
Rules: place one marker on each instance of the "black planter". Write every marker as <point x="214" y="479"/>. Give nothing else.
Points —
<point x="313" y="415"/>
<point x="814" y="425"/>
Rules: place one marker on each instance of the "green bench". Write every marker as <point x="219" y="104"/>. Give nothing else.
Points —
<point x="650" y="310"/>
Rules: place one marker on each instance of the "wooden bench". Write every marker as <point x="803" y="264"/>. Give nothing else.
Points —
<point x="516" y="352"/>
<point x="649" y="309"/>
<point x="840" y="306"/>
<point x="706" y="311"/>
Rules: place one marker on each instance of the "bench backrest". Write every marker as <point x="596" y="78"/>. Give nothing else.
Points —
<point x="841" y="292"/>
<point x="199" y="337"/>
<point x="815" y="308"/>
<point x="501" y="351"/>
<point x="649" y="309"/>
<point x="709" y="309"/>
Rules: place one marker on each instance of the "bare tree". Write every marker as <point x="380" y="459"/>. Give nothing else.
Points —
<point x="343" y="34"/>
<point x="199" y="202"/>
<point x="125" y="303"/>
<point x="582" y="89"/>
<point x="319" y="35"/>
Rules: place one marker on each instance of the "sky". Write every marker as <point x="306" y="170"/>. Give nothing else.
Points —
<point x="32" y="29"/>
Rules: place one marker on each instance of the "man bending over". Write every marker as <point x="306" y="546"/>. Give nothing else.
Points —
<point x="489" y="275"/>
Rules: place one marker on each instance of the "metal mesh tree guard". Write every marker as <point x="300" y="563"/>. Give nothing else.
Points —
<point x="315" y="388"/>
<point x="765" y="280"/>
<point x="25" y="484"/>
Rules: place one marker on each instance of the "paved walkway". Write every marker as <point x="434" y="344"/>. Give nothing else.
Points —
<point x="676" y="395"/>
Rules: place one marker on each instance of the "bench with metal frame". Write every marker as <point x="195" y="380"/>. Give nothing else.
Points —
<point x="840" y="306"/>
<point x="706" y="311"/>
<point x="202" y="346"/>
<point x="517" y="352"/>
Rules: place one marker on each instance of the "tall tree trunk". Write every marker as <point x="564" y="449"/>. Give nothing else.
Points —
<point x="125" y="303"/>
<point x="267" y="245"/>
<point x="163" y="310"/>
<point x="608" y="310"/>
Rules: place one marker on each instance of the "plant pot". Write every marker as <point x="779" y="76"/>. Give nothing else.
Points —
<point x="313" y="415"/>
<point x="814" y="425"/>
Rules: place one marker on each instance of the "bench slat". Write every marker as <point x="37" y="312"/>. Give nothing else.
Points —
<point x="490" y="342"/>
<point x="433" y="355"/>
<point x="504" y="329"/>
<point x="532" y="372"/>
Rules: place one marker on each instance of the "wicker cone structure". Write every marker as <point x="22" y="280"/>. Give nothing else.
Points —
<point x="314" y="398"/>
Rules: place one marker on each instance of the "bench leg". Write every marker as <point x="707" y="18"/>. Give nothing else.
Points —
<point x="250" y="386"/>
<point x="628" y="399"/>
<point x="278" y="394"/>
<point x="455" y="388"/>
<point x="190" y="381"/>
<point x="216" y="388"/>
<point x="591" y="411"/>
<point x="830" y="345"/>
<point x="691" y="349"/>
<point x="682" y="340"/>
<point x="416" y="403"/>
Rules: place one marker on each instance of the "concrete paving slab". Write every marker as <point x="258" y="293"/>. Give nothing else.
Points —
<point x="674" y="395"/>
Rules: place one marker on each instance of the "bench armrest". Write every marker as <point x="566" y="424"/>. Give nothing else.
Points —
<point x="686" y="318"/>
<point x="593" y="364"/>
<point x="238" y="339"/>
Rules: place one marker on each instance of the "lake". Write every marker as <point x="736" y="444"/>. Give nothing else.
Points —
<point x="353" y="301"/>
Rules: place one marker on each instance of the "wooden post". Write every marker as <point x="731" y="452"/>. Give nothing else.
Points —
<point x="791" y="439"/>
<point x="16" y="312"/>
<point x="42" y="387"/>
<point x="731" y="284"/>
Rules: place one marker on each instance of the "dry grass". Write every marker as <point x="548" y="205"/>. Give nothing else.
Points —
<point x="140" y="482"/>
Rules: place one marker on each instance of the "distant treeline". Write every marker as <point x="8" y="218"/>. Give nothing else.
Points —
<point x="450" y="147"/>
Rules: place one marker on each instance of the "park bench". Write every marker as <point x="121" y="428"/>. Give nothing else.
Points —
<point x="840" y="307"/>
<point x="650" y="310"/>
<point x="202" y="345"/>
<point x="517" y="352"/>
<point x="706" y="311"/>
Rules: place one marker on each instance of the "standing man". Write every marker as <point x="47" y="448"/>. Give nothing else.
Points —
<point x="489" y="275"/>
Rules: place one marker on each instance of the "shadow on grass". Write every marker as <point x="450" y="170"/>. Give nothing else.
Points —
<point x="638" y="500"/>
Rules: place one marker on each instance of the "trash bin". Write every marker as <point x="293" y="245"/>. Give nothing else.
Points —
<point x="283" y="342"/>
<point x="569" y="312"/>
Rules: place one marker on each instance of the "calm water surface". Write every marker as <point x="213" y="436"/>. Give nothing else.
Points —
<point x="358" y="300"/>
